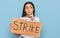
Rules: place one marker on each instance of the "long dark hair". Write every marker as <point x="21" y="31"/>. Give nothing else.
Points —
<point x="24" y="13"/>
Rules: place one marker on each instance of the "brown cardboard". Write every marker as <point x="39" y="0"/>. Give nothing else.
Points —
<point x="24" y="27"/>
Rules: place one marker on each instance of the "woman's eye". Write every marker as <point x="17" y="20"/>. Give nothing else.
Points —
<point x="26" y="7"/>
<point x="30" y="7"/>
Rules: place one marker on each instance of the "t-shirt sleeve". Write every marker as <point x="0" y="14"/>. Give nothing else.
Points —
<point x="37" y="19"/>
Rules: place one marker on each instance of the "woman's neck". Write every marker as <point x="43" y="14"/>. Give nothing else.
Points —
<point x="28" y="16"/>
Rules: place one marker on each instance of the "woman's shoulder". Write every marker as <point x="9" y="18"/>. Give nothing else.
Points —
<point x="37" y="19"/>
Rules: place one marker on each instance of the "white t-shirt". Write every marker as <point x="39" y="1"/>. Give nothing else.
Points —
<point x="36" y="19"/>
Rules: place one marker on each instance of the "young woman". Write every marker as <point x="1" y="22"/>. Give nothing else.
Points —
<point x="28" y="15"/>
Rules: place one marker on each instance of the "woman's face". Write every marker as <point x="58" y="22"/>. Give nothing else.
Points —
<point x="29" y="9"/>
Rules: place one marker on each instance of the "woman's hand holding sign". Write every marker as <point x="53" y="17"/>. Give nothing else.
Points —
<point x="12" y="26"/>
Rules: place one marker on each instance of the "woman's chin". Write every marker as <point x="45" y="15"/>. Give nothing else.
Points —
<point x="29" y="13"/>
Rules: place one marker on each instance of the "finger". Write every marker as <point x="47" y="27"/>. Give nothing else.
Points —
<point x="11" y="25"/>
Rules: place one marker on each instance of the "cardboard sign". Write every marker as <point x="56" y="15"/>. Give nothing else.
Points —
<point x="25" y="27"/>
